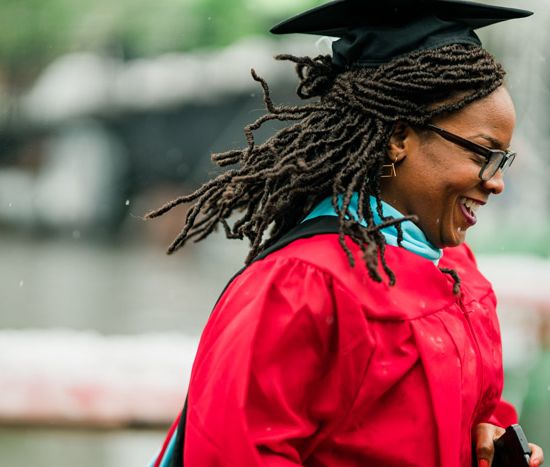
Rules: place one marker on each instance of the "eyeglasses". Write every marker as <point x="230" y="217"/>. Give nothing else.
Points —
<point x="495" y="159"/>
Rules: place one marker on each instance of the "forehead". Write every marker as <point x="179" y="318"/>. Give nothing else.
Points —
<point x="493" y="115"/>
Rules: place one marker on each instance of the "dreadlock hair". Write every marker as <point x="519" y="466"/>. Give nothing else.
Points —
<point x="334" y="146"/>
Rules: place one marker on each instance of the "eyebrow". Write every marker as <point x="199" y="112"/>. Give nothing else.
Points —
<point x="495" y="143"/>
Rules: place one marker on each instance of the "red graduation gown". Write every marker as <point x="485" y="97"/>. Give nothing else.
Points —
<point x="307" y="361"/>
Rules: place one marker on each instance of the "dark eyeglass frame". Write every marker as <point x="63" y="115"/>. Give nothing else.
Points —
<point x="495" y="159"/>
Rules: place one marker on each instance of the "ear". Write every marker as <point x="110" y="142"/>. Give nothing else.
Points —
<point x="397" y="145"/>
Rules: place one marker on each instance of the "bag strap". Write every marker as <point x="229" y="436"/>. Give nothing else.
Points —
<point x="316" y="226"/>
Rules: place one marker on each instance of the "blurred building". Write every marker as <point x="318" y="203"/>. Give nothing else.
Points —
<point x="94" y="134"/>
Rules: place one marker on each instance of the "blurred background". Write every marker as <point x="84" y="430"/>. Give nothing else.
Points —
<point x="108" y="110"/>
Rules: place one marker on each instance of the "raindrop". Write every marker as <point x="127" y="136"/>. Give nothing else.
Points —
<point x="210" y="18"/>
<point x="268" y="428"/>
<point x="21" y="283"/>
<point x="127" y="202"/>
<point x="76" y="234"/>
<point x="330" y="320"/>
<point x="10" y="205"/>
<point x="436" y="340"/>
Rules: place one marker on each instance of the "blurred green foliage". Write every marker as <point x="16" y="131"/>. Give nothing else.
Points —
<point x="33" y="32"/>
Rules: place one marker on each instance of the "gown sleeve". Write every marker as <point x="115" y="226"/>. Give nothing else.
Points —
<point x="504" y="414"/>
<point x="276" y="367"/>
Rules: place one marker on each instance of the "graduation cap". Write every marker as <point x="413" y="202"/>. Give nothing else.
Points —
<point x="373" y="32"/>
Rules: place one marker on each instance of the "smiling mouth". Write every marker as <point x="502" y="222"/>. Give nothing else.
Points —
<point x="469" y="208"/>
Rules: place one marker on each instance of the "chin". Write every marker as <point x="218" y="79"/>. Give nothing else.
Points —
<point x="452" y="242"/>
<point x="453" y="245"/>
<point x="446" y="238"/>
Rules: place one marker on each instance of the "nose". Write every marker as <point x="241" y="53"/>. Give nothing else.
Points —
<point x="495" y="184"/>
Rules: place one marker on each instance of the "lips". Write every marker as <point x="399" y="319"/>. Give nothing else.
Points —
<point x="469" y="208"/>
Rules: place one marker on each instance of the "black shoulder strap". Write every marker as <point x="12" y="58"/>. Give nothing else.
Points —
<point x="316" y="226"/>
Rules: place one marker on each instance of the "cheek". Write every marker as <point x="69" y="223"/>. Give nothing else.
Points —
<point x="455" y="172"/>
<point x="441" y="195"/>
<point x="463" y="177"/>
<point x="435" y="168"/>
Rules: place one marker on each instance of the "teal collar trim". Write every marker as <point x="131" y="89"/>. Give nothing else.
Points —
<point x="414" y="239"/>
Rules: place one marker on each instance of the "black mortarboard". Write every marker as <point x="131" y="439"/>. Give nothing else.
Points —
<point x="373" y="32"/>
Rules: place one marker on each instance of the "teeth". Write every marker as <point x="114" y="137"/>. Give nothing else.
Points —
<point x="471" y="204"/>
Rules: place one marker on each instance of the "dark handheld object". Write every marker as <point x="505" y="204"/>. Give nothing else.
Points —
<point x="512" y="449"/>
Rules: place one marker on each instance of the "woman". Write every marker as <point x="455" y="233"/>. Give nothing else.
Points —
<point x="361" y="332"/>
